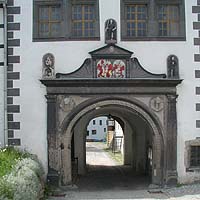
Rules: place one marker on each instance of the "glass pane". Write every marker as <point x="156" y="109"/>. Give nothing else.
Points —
<point x="132" y="25"/>
<point x="44" y="13"/>
<point x="56" y="13"/>
<point x="92" y="32"/>
<point x="77" y="29"/>
<point x="174" y="29"/>
<point x="44" y="29"/>
<point x="55" y="29"/>
<point x="86" y="25"/>
<point x="174" y="12"/>
<point x="86" y="33"/>
<point x="77" y="12"/>
<point x="89" y="12"/>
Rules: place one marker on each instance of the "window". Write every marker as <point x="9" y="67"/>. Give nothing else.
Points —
<point x="93" y="122"/>
<point x="100" y="122"/>
<point x="49" y="23"/>
<point x="104" y="130"/>
<point x="66" y="20"/>
<point x="195" y="156"/>
<point x="136" y="20"/>
<point x="168" y="20"/>
<point x="152" y="20"/>
<point x="83" y="20"/>
<point x="94" y="132"/>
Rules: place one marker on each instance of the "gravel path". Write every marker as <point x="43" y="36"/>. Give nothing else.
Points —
<point x="95" y="155"/>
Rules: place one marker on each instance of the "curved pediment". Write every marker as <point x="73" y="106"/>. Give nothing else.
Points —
<point x="111" y="62"/>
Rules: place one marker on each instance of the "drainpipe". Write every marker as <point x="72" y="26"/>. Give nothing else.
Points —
<point x="5" y="73"/>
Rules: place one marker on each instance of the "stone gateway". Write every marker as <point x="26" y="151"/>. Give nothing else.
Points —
<point x="140" y="99"/>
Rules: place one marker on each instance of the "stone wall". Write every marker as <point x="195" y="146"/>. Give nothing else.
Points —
<point x="13" y="74"/>
<point x="1" y="76"/>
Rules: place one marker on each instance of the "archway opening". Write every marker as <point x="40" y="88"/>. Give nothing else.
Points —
<point x="104" y="143"/>
<point x="135" y="172"/>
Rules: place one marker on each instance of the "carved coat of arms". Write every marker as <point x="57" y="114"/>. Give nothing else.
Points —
<point x="107" y="69"/>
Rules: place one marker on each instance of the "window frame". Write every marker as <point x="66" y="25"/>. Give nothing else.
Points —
<point x="152" y="21"/>
<point x="193" y="166"/>
<point x="66" y="17"/>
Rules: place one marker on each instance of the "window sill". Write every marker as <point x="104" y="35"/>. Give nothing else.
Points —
<point x="154" y="39"/>
<point x="65" y="39"/>
<point x="193" y="169"/>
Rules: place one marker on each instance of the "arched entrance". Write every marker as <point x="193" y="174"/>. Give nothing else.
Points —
<point x="133" y="116"/>
<point x="135" y="96"/>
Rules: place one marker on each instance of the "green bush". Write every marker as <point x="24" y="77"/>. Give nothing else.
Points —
<point x="8" y="158"/>
<point x="22" y="178"/>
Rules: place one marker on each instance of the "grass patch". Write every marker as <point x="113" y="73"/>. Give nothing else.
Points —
<point x="8" y="159"/>
<point x="118" y="157"/>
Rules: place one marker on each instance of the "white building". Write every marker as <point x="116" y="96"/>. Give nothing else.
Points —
<point x="46" y="37"/>
<point x="97" y="129"/>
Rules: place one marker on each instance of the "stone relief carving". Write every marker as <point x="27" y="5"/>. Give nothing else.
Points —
<point x="48" y="68"/>
<point x="67" y="104"/>
<point x="110" y="31"/>
<point x="157" y="104"/>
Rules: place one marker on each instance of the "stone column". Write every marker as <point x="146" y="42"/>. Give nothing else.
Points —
<point x="52" y="140"/>
<point x="171" y="141"/>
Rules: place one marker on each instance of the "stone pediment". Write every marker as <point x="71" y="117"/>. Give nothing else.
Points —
<point x="111" y="62"/>
<point x="111" y="51"/>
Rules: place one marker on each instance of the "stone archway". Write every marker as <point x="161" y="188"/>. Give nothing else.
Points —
<point x="158" y="140"/>
<point x="150" y="96"/>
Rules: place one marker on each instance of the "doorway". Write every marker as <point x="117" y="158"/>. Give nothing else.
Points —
<point x="136" y="170"/>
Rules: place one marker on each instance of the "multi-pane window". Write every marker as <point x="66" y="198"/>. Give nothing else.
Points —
<point x="168" y="20"/>
<point x="83" y="20"/>
<point x="195" y="156"/>
<point x="49" y="23"/>
<point x="152" y="20"/>
<point x="66" y="19"/>
<point x="136" y="20"/>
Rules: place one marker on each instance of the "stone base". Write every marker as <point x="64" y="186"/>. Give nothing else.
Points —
<point x="53" y="179"/>
<point x="171" y="178"/>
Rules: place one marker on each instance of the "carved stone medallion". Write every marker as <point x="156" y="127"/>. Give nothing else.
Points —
<point x="157" y="104"/>
<point x="67" y="104"/>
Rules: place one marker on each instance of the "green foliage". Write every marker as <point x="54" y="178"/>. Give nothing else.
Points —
<point x="179" y="185"/>
<point x="6" y="191"/>
<point x="8" y="158"/>
<point x="21" y="175"/>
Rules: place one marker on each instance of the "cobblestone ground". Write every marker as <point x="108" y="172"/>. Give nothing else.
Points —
<point x="108" y="185"/>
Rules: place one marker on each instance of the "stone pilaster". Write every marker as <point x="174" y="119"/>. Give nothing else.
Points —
<point x="53" y="148"/>
<point x="171" y="141"/>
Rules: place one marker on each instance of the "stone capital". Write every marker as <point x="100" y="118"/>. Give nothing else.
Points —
<point x="172" y="97"/>
<point x="51" y="98"/>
